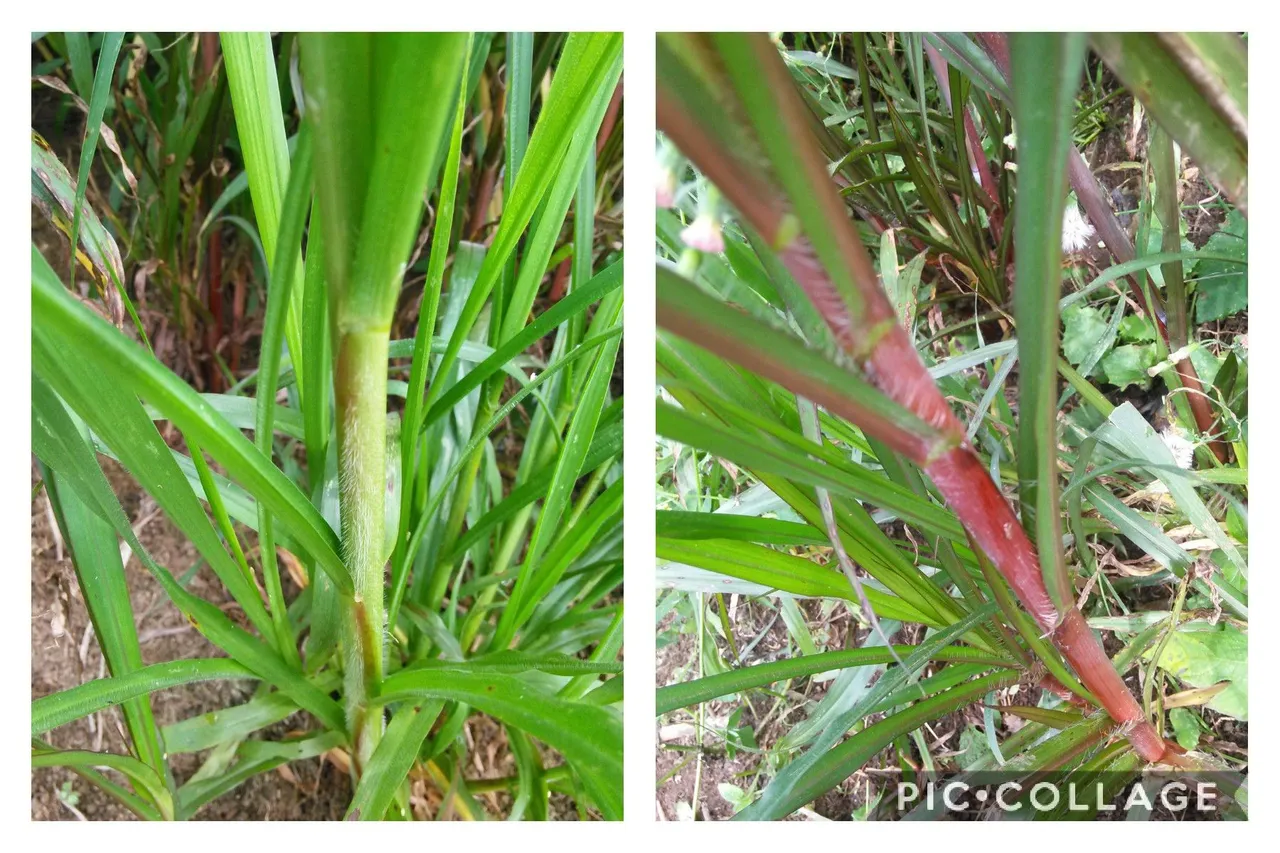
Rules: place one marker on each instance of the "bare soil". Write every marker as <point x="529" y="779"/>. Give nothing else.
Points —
<point x="64" y="653"/>
<point x="1117" y="145"/>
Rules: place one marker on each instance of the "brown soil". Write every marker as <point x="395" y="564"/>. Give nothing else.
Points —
<point x="1116" y="144"/>
<point x="63" y="659"/>
<point x="677" y="759"/>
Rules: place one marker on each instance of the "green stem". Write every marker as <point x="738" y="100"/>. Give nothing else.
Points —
<point x="361" y="395"/>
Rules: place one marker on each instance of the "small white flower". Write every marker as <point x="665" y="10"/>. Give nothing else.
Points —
<point x="1075" y="230"/>
<point x="666" y="194"/>
<point x="671" y="166"/>
<point x="704" y="235"/>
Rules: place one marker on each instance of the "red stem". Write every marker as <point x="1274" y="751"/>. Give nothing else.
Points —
<point x="977" y="156"/>
<point x="610" y="118"/>
<point x="895" y="367"/>
<point x="560" y="280"/>
<point x="214" y="332"/>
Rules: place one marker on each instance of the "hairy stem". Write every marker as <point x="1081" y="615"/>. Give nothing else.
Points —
<point x="361" y="395"/>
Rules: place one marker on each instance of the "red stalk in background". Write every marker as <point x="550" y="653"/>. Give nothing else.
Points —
<point x="213" y="332"/>
<point x="977" y="157"/>
<point x="1098" y="209"/>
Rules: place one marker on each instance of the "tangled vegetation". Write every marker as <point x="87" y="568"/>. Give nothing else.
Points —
<point x="952" y="474"/>
<point x="348" y="309"/>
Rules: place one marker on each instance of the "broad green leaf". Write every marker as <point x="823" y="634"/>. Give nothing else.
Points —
<point x="1223" y="287"/>
<point x="1136" y="329"/>
<point x="1128" y="364"/>
<point x="1186" y="727"/>
<point x="1205" y="655"/>
<point x="1083" y="328"/>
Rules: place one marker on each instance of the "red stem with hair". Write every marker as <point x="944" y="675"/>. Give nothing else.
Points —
<point x="887" y="356"/>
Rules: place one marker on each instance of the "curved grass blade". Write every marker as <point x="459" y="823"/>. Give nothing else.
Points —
<point x="535" y="577"/>
<point x="255" y="96"/>
<point x="675" y="524"/>
<point x="775" y="570"/>
<point x="74" y="460"/>
<point x="1170" y="76"/>
<point x="96" y="557"/>
<point x="207" y="731"/>
<point x="589" y="737"/>
<point x="121" y="423"/>
<point x="78" y="330"/>
<point x="575" y="303"/>
<point x="427" y="313"/>
<point x="606" y="445"/>
<point x="686" y="694"/>
<point x="589" y="62"/>
<point x="279" y="298"/>
<point x="585" y="348"/>
<point x="965" y="54"/>
<point x="515" y="663"/>
<point x="774" y="354"/>
<point x="101" y="94"/>
<point x="49" y="712"/>
<point x="252" y="757"/>
<point x="144" y="777"/>
<point x="807" y="776"/>
<point x="53" y="192"/>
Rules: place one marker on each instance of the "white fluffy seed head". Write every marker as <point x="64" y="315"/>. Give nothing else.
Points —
<point x="1182" y="449"/>
<point x="1075" y="230"/>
